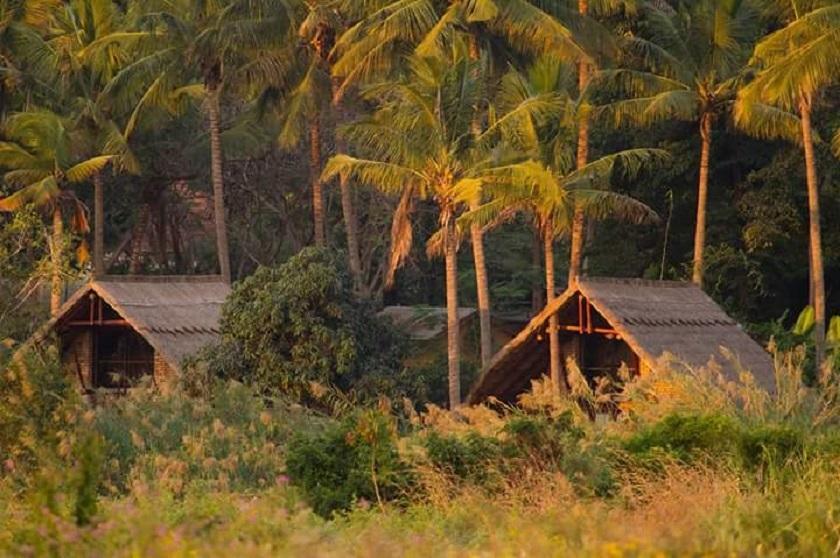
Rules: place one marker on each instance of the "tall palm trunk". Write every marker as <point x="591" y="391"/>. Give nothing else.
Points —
<point x="351" y="224"/>
<point x="98" y="225"/>
<point x="315" y="173"/>
<point x="817" y="273"/>
<point x="56" y="253"/>
<point x="482" y="285"/>
<point x="213" y="117"/>
<point x="453" y="332"/>
<point x="537" y="289"/>
<point x="139" y="235"/>
<point x="483" y="290"/>
<point x="702" y="198"/>
<point x="555" y="358"/>
<point x="578" y="221"/>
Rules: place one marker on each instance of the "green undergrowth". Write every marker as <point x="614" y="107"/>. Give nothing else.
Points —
<point x="728" y="471"/>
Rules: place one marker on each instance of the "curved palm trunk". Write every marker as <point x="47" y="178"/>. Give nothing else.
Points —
<point x="453" y="332"/>
<point x="558" y="380"/>
<point x="56" y="252"/>
<point x="579" y="221"/>
<point x="482" y="286"/>
<point x="317" y="190"/>
<point x="351" y="224"/>
<point x="702" y="198"/>
<point x="222" y="246"/>
<point x="483" y="290"/>
<point x="817" y="273"/>
<point x="98" y="225"/>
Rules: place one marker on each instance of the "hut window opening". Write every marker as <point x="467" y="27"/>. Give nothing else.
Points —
<point x="123" y="358"/>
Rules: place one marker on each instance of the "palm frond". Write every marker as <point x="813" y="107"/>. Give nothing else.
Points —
<point x="39" y="194"/>
<point x="402" y="235"/>
<point x="387" y="177"/>
<point x="86" y="169"/>
<point x="766" y="122"/>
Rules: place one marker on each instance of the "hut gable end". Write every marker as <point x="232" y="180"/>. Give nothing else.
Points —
<point x="654" y="318"/>
<point x="177" y="316"/>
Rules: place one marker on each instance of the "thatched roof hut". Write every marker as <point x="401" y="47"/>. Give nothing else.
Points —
<point x="607" y="323"/>
<point x="117" y="329"/>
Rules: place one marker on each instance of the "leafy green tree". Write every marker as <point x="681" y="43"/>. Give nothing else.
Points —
<point x="691" y="60"/>
<point x="300" y="323"/>
<point x="43" y="164"/>
<point x="796" y="63"/>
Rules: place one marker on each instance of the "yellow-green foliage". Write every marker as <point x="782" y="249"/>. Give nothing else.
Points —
<point x="733" y="472"/>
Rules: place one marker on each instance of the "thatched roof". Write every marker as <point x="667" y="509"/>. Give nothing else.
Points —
<point x="422" y="323"/>
<point x="178" y="316"/>
<point x="657" y="319"/>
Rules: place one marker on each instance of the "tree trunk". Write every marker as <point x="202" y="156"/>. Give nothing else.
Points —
<point x="162" y="222"/>
<point x="817" y="273"/>
<point x="315" y="173"/>
<point x="702" y="198"/>
<point x="578" y="221"/>
<point x="98" y="225"/>
<point x="537" y="290"/>
<point x="452" y="323"/>
<point x="482" y="289"/>
<point x="135" y="263"/>
<point x="56" y="253"/>
<point x="482" y="286"/>
<point x="558" y="381"/>
<point x="351" y="224"/>
<point x="213" y="117"/>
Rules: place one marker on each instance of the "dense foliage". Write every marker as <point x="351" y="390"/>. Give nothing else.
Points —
<point x="300" y="323"/>
<point x="717" y="467"/>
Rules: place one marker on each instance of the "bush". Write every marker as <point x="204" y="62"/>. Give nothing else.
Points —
<point x="38" y="407"/>
<point x="770" y="445"/>
<point x="356" y="459"/>
<point x="300" y="323"/>
<point x="473" y="457"/>
<point x="687" y="436"/>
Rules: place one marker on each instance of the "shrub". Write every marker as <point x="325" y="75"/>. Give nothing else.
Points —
<point x="687" y="436"/>
<point x="38" y="407"/>
<point x="768" y="445"/>
<point x="356" y="459"/>
<point x="301" y="323"/>
<point x="472" y="457"/>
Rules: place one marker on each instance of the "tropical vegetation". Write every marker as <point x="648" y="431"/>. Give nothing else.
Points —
<point x="328" y="158"/>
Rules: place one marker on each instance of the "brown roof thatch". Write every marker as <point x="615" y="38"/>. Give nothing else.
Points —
<point x="655" y="318"/>
<point x="178" y="316"/>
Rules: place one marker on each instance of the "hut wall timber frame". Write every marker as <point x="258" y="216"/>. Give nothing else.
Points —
<point x="117" y="330"/>
<point x="607" y="323"/>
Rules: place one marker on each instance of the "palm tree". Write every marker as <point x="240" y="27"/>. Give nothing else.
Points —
<point x="796" y="63"/>
<point x="372" y="48"/>
<point x="84" y="72"/>
<point x="419" y="145"/>
<point x="541" y="120"/>
<point x="691" y="61"/>
<point x="305" y="104"/>
<point x="42" y="165"/>
<point x="194" y="50"/>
